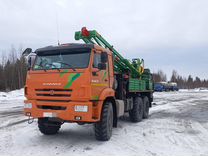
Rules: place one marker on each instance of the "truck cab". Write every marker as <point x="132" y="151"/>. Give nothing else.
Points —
<point x="158" y="87"/>
<point x="68" y="82"/>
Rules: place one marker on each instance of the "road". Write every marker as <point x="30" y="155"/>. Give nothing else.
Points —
<point x="178" y="125"/>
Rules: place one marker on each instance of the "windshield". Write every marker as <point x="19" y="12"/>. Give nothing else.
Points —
<point x="62" y="59"/>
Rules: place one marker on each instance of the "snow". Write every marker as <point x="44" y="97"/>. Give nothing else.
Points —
<point x="178" y="125"/>
<point x="194" y="90"/>
<point x="11" y="99"/>
<point x="17" y="94"/>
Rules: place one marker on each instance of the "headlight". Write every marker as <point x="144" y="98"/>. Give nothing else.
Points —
<point x="78" y="108"/>
<point x="28" y="105"/>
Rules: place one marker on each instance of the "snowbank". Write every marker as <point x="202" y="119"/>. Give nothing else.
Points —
<point x="16" y="94"/>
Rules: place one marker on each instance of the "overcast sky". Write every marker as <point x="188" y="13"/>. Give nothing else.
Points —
<point x="168" y="34"/>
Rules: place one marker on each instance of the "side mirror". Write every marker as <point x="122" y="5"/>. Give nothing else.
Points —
<point x="104" y="57"/>
<point x="101" y="66"/>
<point x="26" y="52"/>
<point x="29" y="63"/>
<point x="31" y="60"/>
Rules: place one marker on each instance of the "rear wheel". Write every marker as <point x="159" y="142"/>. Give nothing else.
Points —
<point x="103" y="128"/>
<point x="48" y="127"/>
<point x="136" y="113"/>
<point x="146" y="107"/>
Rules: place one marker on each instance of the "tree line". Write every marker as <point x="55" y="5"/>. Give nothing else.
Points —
<point x="13" y="70"/>
<point x="182" y="82"/>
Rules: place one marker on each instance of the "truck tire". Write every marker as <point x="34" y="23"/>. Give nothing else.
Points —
<point x="103" y="128"/>
<point x="48" y="127"/>
<point x="146" y="107"/>
<point x="136" y="113"/>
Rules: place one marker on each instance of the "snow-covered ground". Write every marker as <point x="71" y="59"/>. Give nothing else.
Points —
<point x="178" y="125"/>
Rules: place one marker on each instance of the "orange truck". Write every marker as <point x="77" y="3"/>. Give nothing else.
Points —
<point x="85" y="83"/>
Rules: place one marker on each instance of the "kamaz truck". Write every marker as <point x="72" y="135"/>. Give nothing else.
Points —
<point x="85" y="83"/>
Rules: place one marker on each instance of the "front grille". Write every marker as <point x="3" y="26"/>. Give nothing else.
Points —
<point x="53" y="94"/>
<point x="51" y="107"/>
<point x="57" y="90"/>
<point x="53" y="100"/>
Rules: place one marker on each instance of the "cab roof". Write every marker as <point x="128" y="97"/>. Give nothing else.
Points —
<point x="66" y="46"/>
<point x="74" y="46"/>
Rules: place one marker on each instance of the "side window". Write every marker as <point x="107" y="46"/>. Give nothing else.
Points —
<point x="97" y="60"/>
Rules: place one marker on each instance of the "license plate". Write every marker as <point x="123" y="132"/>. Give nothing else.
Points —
<point x="78" y="108"/>
<point x="49" y="114"/>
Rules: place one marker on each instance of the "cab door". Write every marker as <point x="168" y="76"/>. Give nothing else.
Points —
<point x="100" y="75"/>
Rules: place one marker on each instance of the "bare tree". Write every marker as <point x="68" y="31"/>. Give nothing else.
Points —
<point x="159" y="76"/>
<point x="174" y="76"/>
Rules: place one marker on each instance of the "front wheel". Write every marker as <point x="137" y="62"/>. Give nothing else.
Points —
<point x="48" y="127"/>
<point x="103" y="128"/>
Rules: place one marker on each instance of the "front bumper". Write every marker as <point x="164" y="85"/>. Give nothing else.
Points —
<point x="66" y="112"/>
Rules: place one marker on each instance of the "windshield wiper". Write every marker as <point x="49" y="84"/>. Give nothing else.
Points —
<point x="72" y="67"/>
<point x="41" y="66"/>
<point x="50" y="64"/>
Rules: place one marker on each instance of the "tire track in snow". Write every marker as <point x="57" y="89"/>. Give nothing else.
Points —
<point x="14" y="123"/>
<point x="11" y="117"/>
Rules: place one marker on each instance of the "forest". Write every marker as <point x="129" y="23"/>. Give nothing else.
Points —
<point x="13" y="69"/>
<point x="182" y="82"/>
